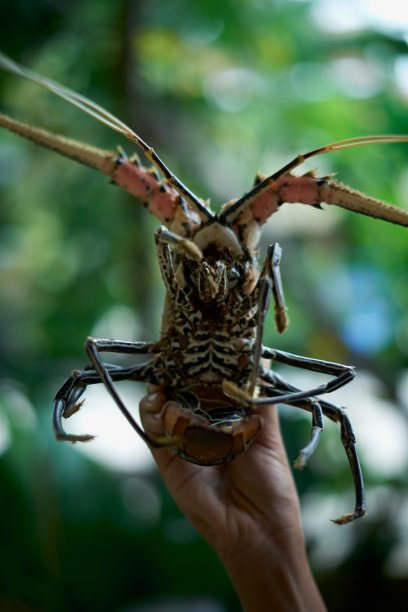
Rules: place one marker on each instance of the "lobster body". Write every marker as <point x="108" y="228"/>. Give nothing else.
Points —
<point x="208" y="336"/>
<point x="209" y="320"/>
<point x="209" y="355"/>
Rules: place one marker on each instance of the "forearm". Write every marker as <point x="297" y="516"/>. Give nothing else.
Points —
<point x="275" y="577"/>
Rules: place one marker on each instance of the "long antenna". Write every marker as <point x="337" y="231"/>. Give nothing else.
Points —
<point x="230" y="215"/>
<point x="105" y="117"/>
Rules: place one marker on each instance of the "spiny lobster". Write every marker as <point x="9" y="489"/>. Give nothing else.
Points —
<point x="209" y="353"/>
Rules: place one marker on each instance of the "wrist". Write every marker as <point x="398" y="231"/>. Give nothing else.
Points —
<point x="273" y="573"/>
<point x="279" y="547"/>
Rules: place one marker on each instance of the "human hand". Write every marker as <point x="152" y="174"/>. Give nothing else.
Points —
<point x="235" y="504"/>
<point x="248" y="511"/>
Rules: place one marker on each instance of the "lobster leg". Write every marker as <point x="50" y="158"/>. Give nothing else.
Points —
<point x="308" y="363"/>
<point x="278" y="390"/>
<point x="124" y="346"/>
<point x="140" y="372"/>
<point x="163" y="239"/>
<point x="66" y="400"/>
<point x="187" y="247"/>
<point x="328" y="387"/>
<point x="271" y="270"/>
<point x="317" y="428"/>
<point x="343" y="374"/>
<point x="281" y="387"/>
<point x="269" y="284"/>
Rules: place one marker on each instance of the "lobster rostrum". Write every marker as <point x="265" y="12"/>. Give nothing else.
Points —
<point x="209" y="355"/>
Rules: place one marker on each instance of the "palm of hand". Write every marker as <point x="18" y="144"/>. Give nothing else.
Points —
<point x="231" y="505"/>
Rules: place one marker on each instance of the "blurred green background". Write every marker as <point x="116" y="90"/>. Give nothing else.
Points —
<point x="220" y="89"/>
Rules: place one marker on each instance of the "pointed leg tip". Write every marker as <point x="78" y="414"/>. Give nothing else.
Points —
<point x="300" y="461"/>
<point x="168" y="442"/>
<point x="235" y="392"/>
<point x="281" y="321"/>
<point x="73" y="409"/>
<point x="349" y="517"/>
<point x="74" y="438"/>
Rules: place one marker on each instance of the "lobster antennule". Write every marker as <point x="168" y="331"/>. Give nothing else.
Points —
<point x="108" y="119"/>
<point x="231" y="214"/>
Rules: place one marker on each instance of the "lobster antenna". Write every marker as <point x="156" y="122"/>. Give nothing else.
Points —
<point x="231" y="214"/>
<point x="104" y="161"/>
<point x="105" y="117"/>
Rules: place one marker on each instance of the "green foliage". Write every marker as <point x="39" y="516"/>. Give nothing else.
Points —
<point x="221" y="90"/>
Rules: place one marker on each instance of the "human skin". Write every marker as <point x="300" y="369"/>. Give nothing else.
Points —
<point x="248" y="511"/>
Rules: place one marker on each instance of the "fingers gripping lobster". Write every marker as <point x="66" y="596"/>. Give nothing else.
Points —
<point x="209" y="355"/>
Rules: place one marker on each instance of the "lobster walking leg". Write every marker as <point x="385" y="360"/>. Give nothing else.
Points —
<point x="66" y="400"/>
<point x="269" y="284"/>
<point x="187" y="247"/>
<point x="125" y="346"/>
<point x="317" y="428"/>
<point x="271" y="270"/>
<point x="336" y="414"/>
<point x="280" y="387"/>
<point x="332" y="385"/>
<point x="305" y="363"/>
<point x="289" y="394"/>
<point x="141" y="373"/>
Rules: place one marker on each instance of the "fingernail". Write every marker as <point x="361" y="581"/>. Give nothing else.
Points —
<point x="150" y="399"/>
